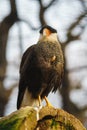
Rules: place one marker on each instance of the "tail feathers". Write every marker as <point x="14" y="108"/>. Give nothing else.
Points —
<point x="28" y="100"/>
<point x="20" y="98"/>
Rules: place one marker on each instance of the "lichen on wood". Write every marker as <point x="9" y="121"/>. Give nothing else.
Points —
<point x="58" y="119"/>
<point x="19" y="120"/>
<point x="49" y="119"/>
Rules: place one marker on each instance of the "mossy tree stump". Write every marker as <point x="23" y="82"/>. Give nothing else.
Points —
<point x="49" y="119"/>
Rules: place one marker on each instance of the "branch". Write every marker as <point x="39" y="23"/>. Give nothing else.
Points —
<point x="13" y="6"/>
<point x="50" y="4"/>
<point x="41" y="13"/>
<point x="77" y="22"/>
<point x="83" y="4"/>
<point x="46" y="118"/>
<point x="29" y="24"/>
<point x="70" y="37"/>
<point x="43" y="9"/>
<point x="79" y="68"/>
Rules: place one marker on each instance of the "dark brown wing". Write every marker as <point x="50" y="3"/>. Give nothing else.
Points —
<point x="25" y="57"/>
<point x="23" y="66"/>
<point x="54" y="79"/>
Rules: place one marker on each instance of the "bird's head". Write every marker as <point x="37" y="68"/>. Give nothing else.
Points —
<point x="48" y="33"/>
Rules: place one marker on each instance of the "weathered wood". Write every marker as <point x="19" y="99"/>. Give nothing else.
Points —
<point x="49" y="119"/>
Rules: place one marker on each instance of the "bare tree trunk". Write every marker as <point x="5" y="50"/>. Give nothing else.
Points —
<point x="65" y="91"/>
<point x="5" y="26"/>
<point x="68" y="105"/>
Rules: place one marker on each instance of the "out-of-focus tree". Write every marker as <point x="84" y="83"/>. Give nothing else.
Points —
<point x="5" y="26"/>
<point x="68" y="105"/>
<point x="43" y="8"/>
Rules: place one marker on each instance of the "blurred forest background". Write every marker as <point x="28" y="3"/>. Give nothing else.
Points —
<point x="20" y="21"/>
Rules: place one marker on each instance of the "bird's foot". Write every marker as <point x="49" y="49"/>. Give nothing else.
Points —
<point x="48" y="104"/>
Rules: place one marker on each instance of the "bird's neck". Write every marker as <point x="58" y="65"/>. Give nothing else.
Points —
<point x="52" y="38"/>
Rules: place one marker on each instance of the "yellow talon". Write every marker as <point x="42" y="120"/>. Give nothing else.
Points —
<point x="47" y="102"/>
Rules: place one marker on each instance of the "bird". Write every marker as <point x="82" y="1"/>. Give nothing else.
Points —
<point x="41" y="69"/>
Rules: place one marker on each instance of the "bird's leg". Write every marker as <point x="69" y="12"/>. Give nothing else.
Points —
<point x="39" y="107"/>
<point x="39" y="99"/>
<point x="47" y="102"/>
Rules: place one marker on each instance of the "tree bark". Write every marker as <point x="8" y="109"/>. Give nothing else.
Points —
<point x="49" y="119"/>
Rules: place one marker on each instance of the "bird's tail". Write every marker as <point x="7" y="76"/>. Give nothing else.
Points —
<point x="28" y="100"/>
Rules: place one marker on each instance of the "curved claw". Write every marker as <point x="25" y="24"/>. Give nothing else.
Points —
<point x="47" y="102"/>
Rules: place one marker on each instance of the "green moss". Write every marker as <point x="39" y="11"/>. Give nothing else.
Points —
<point x="54" y="123"/>
<point x="26" y="118"/>
<point x="69" y="127"/>
<point x="16" y="119"/>
<point x="10" y="124"/>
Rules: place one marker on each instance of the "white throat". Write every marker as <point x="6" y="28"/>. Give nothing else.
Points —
<point x="52" y="37"/>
